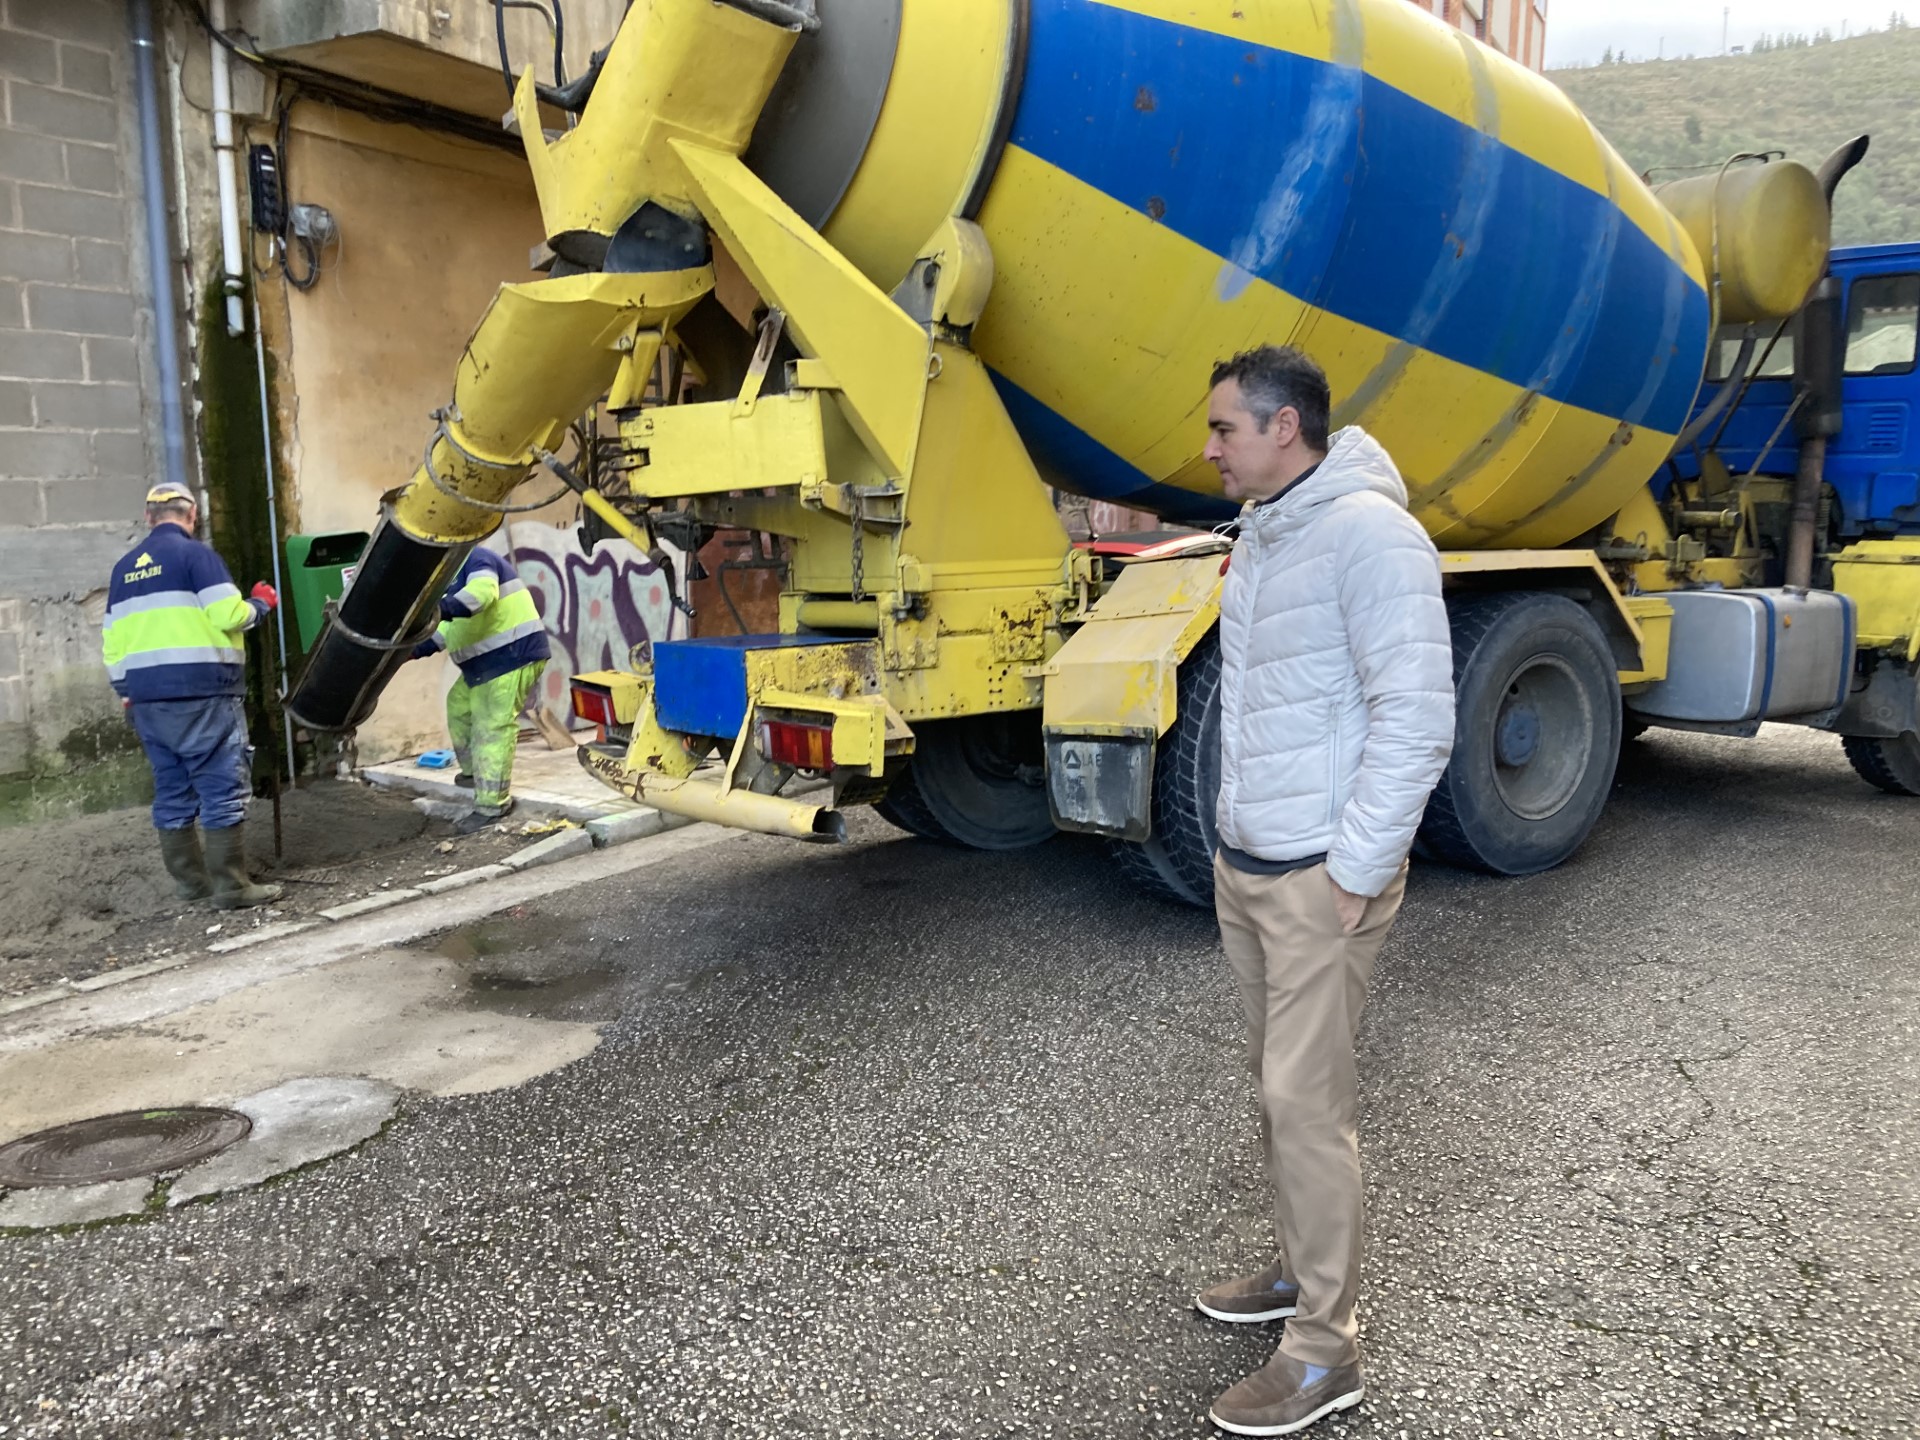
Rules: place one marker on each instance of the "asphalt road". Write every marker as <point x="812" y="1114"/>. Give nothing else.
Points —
<point x="894" y="1141"/>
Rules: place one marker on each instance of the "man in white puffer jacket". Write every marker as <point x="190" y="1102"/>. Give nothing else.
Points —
<point x="1336" y="719"/>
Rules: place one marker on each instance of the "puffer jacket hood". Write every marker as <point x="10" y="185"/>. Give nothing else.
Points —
<point x="1355" y="462"/>
<point x="1336" y="675"/>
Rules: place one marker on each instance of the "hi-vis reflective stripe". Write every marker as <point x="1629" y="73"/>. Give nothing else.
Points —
<point x="213" y="594"/>
<point x="497" y="642"/>
<point x="474" y="602"/>
<point x="179" y="655"/>
<point x="156" y="600"/>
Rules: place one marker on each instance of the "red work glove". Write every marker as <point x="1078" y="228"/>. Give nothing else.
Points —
<point x="265" y="594"/>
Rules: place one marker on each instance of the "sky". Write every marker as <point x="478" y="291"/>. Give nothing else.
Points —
<point x="1579" y="31"/>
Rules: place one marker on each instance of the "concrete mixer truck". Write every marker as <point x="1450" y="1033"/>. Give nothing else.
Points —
<point x="993" y="249"/>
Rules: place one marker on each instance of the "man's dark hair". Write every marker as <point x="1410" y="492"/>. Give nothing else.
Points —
<point x="1273" y="378"/>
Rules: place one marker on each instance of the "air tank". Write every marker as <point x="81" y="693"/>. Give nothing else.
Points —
<point x="1493" y="293"/>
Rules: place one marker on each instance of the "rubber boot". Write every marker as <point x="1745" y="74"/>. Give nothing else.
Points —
<point x="233" y="888"/>
<point x="180" y="849"/>
<point x="475" y="821"/>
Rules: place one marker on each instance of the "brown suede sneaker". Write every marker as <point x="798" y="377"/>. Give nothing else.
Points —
<point x="1250" y="1299"/>
<point x="1276" y="1400"/>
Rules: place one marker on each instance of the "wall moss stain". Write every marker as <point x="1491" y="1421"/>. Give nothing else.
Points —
<point x="93" y="741"/>
<point x="113" y="783"/>
<point x="242" y="526"/>
<point x="233" y="436"/>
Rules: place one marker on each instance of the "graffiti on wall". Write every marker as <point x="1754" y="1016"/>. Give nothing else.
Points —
<point x="603" y="610"/>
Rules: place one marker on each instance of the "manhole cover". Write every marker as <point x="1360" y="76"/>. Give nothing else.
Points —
<point x="119" y="1147"/>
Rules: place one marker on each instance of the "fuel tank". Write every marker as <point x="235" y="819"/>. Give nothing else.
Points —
<point x="1493" y="293"/>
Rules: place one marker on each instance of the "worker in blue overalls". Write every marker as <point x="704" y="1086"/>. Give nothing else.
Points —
<point x="173" y="651"/>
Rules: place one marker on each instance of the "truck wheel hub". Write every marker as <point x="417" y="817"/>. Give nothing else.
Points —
<point x="1519" y="736"/>
<point x="1542" y="736"/>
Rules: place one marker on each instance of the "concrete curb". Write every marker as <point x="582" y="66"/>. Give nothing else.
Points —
<point x="625" y="829"/>
<point x="132" y="972"/>
<point x="279" y="930"/>
<point x="554" y="847"/>
<point x="28" y="1001"/>
<point x="367" y="904"/>
<point x="460" y="879"/>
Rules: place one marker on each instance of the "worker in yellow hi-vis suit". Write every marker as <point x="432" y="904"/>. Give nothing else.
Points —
<point x="491" y="628"/>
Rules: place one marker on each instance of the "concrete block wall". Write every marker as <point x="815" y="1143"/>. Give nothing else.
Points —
<point x="75" y="381"/>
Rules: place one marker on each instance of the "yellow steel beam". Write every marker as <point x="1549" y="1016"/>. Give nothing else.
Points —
<point x="875" y="353"/>
<point x="712" y="448"/>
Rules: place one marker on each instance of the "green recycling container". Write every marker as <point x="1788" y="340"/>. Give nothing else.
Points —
<point x="319" y="569"/>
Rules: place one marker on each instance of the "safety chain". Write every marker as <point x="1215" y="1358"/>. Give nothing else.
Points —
<point x="859" y="547"/>
<point x="441" y="418"/>
<point x="331" y="611"/>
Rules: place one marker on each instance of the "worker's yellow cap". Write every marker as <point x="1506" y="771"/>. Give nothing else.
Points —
<point x="166" y="490"/>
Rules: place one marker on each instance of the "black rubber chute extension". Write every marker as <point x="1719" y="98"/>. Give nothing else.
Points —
<point x="393" y="604"/>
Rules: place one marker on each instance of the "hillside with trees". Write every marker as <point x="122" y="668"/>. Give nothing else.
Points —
<point x="1803" y="94"/>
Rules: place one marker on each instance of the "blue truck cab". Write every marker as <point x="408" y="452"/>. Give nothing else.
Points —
<point x="1873" y="465"/>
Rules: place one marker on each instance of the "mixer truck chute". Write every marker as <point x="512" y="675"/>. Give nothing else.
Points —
<point x="997" y="246"/>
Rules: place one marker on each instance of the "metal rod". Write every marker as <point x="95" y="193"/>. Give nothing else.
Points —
<point x="1774" y="438"/>
<point x="1803" y="514"/>
<point x="1710" y="519"/>
<point x="273" y="526"/>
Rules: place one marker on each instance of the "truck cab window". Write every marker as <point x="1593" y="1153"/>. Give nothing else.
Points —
<point x="1883" y="322"/>
<point x="1774" y="364"/>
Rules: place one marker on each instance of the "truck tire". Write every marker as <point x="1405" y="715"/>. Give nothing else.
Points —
<point x="905" y="808"/>
<point x="1176" y="860"/>
<point x="1891" y="765"/>
<point x="1536" y="738"/>
<point x="978" y="781"/>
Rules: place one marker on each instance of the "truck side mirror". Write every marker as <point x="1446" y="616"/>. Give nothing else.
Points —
<point x="1819" y="361"/>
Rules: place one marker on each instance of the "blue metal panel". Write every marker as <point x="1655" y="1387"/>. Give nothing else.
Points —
<point x="700" y="686"/>
<point x="1874" y="462"/>
<point x="1073" y="459"/>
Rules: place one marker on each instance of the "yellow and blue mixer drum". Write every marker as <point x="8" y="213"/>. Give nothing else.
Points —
<point x="1164" y="182"/>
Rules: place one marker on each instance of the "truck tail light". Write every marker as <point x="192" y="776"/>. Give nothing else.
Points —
<point x="804" y="747"/>
<point x="593" y="705"/>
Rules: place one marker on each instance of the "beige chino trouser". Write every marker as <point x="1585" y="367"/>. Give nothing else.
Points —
<point x="1303" y="985"/>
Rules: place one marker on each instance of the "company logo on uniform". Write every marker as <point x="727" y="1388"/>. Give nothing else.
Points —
<point x="146" y="569"/>
<point x="143" y="559"/>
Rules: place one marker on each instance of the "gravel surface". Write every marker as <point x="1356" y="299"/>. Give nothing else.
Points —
<point x="88" y="895"/>
<point x="889" y="1140"/>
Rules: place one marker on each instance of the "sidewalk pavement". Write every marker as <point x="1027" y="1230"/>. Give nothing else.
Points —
<point x="547" y="784"/>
